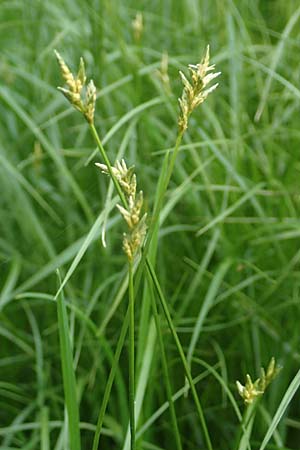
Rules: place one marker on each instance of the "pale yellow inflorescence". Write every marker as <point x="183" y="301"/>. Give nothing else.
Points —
<point x="195" y="92"/>
<point x="84" y="100"/>
<point x="138" y="26"/>
<point x="134" y="238"/>
<point x="252" y="390"/>
<point x="163" y="74"/>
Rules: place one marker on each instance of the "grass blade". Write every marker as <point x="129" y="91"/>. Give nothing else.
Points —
<point x="68" y="373"/>
<point x="291" y="391"/>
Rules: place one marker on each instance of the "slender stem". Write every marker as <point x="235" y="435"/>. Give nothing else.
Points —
<point x="157" y="209"/>
<point x="181" y="353"/>
<point x="243" y="438"/>
<point x="159" y="203"/>
<point x="165" y="371"/>
<point x="131" y="357"/>
<point x="173" y="160"/>
<point x="108" y="165"/>
<point x="110" y="380"/>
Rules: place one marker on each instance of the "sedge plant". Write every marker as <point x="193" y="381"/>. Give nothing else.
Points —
<point x="83" y="98"/>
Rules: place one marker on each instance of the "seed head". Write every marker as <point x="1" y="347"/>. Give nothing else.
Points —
<point x="90" y="102"/>
<point x="66" y="72"/>
<point x="138" y="26"/>
<point x="195" y="92"/>
<point x="124" y="175"/>
<point x="134" y="238"/>
<point x="252" y="390"/>
<point x="83" y="101"/>
<point x="163" y="74"/>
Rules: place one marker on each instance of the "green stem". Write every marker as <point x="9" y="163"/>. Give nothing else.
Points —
<point x="243" y="438"/>
<point x="173" y="160"/>
<point x="110" y="380"/>
<point x="131" y="356"/>
<point x="108" y="165"/>
<point x="157" y="209"/>
<point x="165" y="372"/>
<point x="153" y="228"/>
<point x="69" y="379"/>
<point x="181" y="352"/>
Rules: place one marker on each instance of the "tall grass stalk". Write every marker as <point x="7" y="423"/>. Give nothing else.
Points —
<point x="110" y="380"/>
<point x="131" y="356"/>
<point x="166" y="374"/>
<point x="165" y="309"/>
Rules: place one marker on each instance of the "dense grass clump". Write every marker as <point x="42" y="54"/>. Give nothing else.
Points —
<point x="216" y="293"/>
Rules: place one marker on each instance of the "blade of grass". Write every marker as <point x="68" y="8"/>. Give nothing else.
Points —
<point x="287" y="398"/>
<point x="229" y="210"/>
<point x="94" y="231"/>
<point x="207" y="304"/>
<point x="143" y="377"/>
<point x="110" y="381"/>
<point x="276" y="58"/>
<point x="45" y="438"/>
<point x="68" y="373"/>
<point x="166" y="375"/>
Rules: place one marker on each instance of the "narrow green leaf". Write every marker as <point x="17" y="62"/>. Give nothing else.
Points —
<point x="287" y="398"/>
<point x="68" y="373"/>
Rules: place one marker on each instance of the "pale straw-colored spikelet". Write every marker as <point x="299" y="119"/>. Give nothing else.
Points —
<point x="90" y="102"/>
<point x="138" y="26"/>
<point x="195" y="92"/>
<point x="134" y="238"/>
<point x="84" y="100"/>
<point x="255" y="389"/>
<point x="163" y="74"/>
<point x="65" y="72"/>
<point x="124" y="175"/>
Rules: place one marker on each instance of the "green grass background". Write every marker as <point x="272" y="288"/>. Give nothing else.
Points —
<point x="233" y="199"/>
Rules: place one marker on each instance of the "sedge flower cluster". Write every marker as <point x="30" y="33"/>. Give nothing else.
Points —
<point x="255" y="389"/>
<point x="82" y="97"/>
<point x="132" y="213"/>
<point x="195" y="92"/>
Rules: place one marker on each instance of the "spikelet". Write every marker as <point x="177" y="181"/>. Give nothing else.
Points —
<point x="134" y="238"/>
<point x="138" y="26"/>
<point x="84" y="100"/>
<point x="252" y="390"/>
<point x="195" y="92"/>
<point x="163" y="74"/>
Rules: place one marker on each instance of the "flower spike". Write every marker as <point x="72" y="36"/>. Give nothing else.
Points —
<point x="84" y="100"/>
<point x="134" y="238"/>
<point x="255" y="389"/>
<point x="195" y="92"/>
